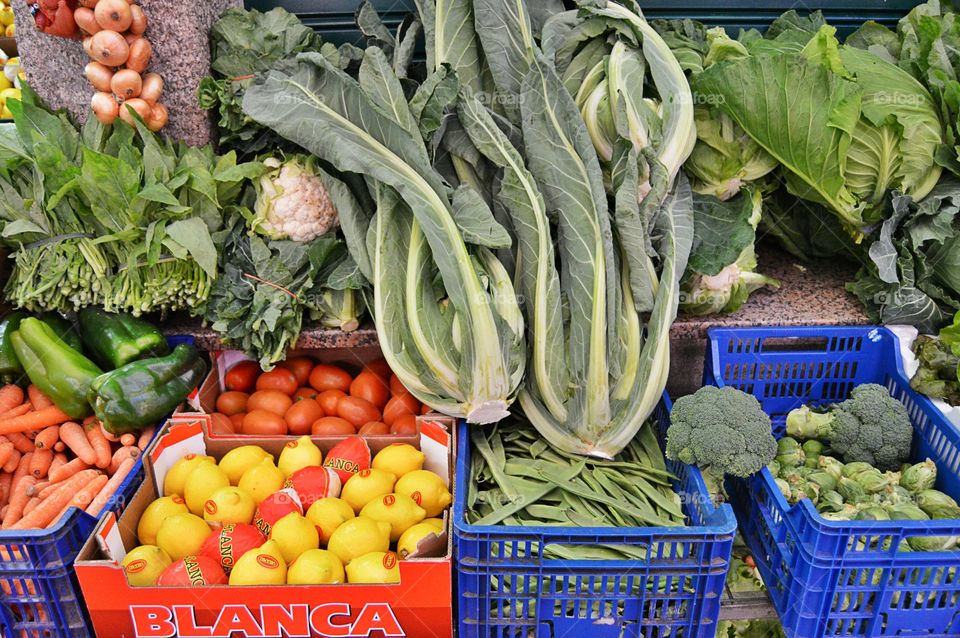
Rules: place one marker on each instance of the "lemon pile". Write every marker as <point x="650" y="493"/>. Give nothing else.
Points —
<point x="379" y="518"/>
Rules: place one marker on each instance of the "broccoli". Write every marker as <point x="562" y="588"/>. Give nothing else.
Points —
<point x="721" y="429"/>
<point x="870" y="426"/>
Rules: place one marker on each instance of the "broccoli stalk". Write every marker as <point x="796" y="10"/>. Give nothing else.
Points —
<point x="870" y="427"/>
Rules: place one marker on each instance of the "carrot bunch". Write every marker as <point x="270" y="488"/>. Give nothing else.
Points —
<point x="49" y="463"/>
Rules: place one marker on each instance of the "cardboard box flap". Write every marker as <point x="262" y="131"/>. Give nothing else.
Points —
<point x="109" y="539"/>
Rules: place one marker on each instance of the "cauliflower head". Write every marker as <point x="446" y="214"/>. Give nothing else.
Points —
<point x="292" y="201"/>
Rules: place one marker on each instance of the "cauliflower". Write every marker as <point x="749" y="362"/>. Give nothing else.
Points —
<point x="292" y="201"/>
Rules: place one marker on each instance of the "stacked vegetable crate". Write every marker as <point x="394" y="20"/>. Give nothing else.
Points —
<point x="507" y="589"/>
<point x="840" y="578"/>
<point x="39" y="593"/>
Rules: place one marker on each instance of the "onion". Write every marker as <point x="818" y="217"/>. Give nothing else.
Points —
<point x="126" y="84"/>
<point x="114" y="15"/>
<point x="105" y="108"/>
<point x="152" y="88"/>
<point x="109" y="48"/>
<point x="139" y="55"/>
<point x="86" y="21"/>
<point x="139" y="23"/>
<point x="99" y="76"/>
<point x="140" y="106"/>
<point x="158" y="118"/>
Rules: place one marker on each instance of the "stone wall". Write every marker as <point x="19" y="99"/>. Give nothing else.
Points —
<point x="179" y="34"/>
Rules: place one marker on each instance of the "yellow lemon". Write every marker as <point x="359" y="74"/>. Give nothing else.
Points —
<point x="359" y="536"/>
<point x="5" y="83"/>
<point x="240" y="459"/>
<point x="11" y="31"/>
<point x="407" y="545"/>
<point x="299" y="454"/>
<point x="144" y="564"/>
<point x="436" y="522"/>
<point x="398" y="510"/>
<point x="327" y="514"/>
<point x="316" y="567"/>
<point x="182" y="535"/>
<point x="203" y="481"/>
<point x="229" y="504"/>
<point x="6" y="16"/>
<point x="262" y="565"/>
<point x="177" y="475"/>
<point x="427" y="489"/>
<point x="374" y="568"/>
<point x="399" y="459"/>
<point x="366" y="485"/>
<point x="294" y="534"/>
<point x="157" y="512"/>
<point x="261" y="480"/>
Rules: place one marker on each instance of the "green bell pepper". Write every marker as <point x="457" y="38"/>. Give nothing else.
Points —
<point x="61" y="373"/>
<point x="64" y="329"/>
<point x="114" y="340"/>
<point x="10" y="368"/>
<point x="143" y="392"/>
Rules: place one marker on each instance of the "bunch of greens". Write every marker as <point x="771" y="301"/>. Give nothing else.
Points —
<point x="244" y="43"/>
<point x="938" y="376"/>
<point x="743" y="578"/>
<point x="859" y="491"/>
<point x="911" y="273"/>
<point x="517" y="478"/>
<point x="846" y="126"/>
<point x="721" y="273"/>
<point x="111" y="216"/>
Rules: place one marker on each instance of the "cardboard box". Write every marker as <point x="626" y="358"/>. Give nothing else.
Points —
<point x="420" y="605"/>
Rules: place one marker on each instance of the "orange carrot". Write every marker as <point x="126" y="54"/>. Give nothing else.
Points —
<point x="110" y="436"/>
<point x="59" y="446"/>
<point x="83" y="476"/>
<point x="76" y="439"/>
<point x="6" y="451"/>
<point x="40" y="463"/>
<point x="37" y="398"/>
<point x="85" y="496"/>
<point x="128" y="439"/>
<point x="23" y="467"/>
<point x="59" y="458"/>
<point x="10" y="397"/>
<point x="53" y="503"/>
<point x="145" y="437"/>
<point x="31" y="505"/>
<point x="36" y="488"/>
<point x="13" y="462"/>
<point x="110" y="488"/>
<point x="18" y="500"/>
<point x="3" y="511"/>
<point x="5" y="480"/>
<point x="67" y="470"/>
<point x="121" y="455"/>
<point x="36" y="420"/>
<point x="100" y="445"/>
<point x="48" y="437"/>
<point x="20" y="410"/>
<point x="21" y="443"/>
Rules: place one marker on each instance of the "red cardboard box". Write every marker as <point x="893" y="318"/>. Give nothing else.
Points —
<point x="420" y="605"/>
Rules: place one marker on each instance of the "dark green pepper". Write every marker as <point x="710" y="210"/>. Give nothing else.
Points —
<point x="143" y="392"/>
<point x="61" y="373"/>
<point x="64" y="329"/>
<point x="114" y="340"/>
<point x="10" y="369"/>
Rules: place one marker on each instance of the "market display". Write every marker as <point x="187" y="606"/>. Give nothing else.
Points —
<point x="519" y="198"/>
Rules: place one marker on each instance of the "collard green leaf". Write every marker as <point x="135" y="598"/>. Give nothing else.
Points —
<point x="507" y="34"/>
<point x="721" y="231"/>
<point x="476" y="221"/>
<point x="432" y="99"/>
<point x="194" y="235"/>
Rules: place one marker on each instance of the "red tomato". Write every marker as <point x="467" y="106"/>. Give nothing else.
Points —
<point x="405" y="425"/>
<point x="269" y="400"/>
<point x="305" y="393"/>
<point x="370" y="387"/>
<point x="301" y="415"/>
<point x="242" y="376"/>
<point x="329" y="400"/>
<point x="374" y="428"/>
<point x="261" y="422"/>
<point x="237" y="420"/>
<point x="221" y="424"/>
<point x="380" y="368"/>
<point x="332" y="425"/>
<point x="396" y="387"/>
<point x="300" y="367"/>
<point x="399" y="405"/>
<point x="232" y="402"/>
<point x="327" y="377"/>
<point x="357" y="411"/>
<point x="278" y="379"/>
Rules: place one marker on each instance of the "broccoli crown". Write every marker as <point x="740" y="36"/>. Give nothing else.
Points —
<point x="873" y="427"/>
<point x="723" y="429"/>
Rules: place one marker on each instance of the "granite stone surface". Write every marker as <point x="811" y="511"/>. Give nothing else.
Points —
<point x="179" y="35"/>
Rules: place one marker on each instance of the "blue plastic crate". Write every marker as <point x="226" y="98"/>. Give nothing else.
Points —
<point x="506" y="589"/>
<point x="39" y="593"/>
<point x="840" y="578"/>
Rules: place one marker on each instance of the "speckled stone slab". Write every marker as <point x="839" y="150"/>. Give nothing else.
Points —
<point x="180" y="37"/>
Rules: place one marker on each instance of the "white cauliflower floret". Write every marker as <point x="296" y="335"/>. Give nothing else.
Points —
<point x="292" y="202"/>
